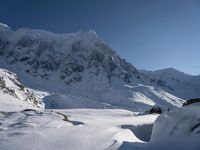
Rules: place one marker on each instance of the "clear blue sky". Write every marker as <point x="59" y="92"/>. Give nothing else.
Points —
<point x="150" y="34"/>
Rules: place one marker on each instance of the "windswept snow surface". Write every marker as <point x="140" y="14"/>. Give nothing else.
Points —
<point x="88" y="129"/>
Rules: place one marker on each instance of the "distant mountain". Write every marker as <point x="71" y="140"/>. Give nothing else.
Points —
<point x="78" y="70"/>
<point x="175" y="82"/>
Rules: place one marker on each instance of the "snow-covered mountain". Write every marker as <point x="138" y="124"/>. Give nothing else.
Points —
<point x="175" y="82"/>
<point x="78" y="67"/>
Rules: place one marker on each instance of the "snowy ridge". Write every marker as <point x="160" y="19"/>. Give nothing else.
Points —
<point x="4" y="25"/>
<point x="13" y="93"/>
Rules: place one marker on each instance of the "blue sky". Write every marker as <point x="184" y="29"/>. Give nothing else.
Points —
<point x="150" y="34"/>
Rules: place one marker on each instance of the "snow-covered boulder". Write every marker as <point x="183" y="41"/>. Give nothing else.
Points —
<point x="183" y="123"/>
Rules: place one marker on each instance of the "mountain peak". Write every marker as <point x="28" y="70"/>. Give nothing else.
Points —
<point x="89" y="37"/>
<point x="92" y="31"/>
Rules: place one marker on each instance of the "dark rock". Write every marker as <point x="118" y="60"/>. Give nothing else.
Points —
<point x="126" y="77"/>
<point x="155" y="110"/>
<point x="191" y="101"/>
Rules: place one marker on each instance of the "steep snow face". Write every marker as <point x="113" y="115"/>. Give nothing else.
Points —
<point x="175" y="82"/>
<point x="77" y="67"/>
<point x="14" y="94"/>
